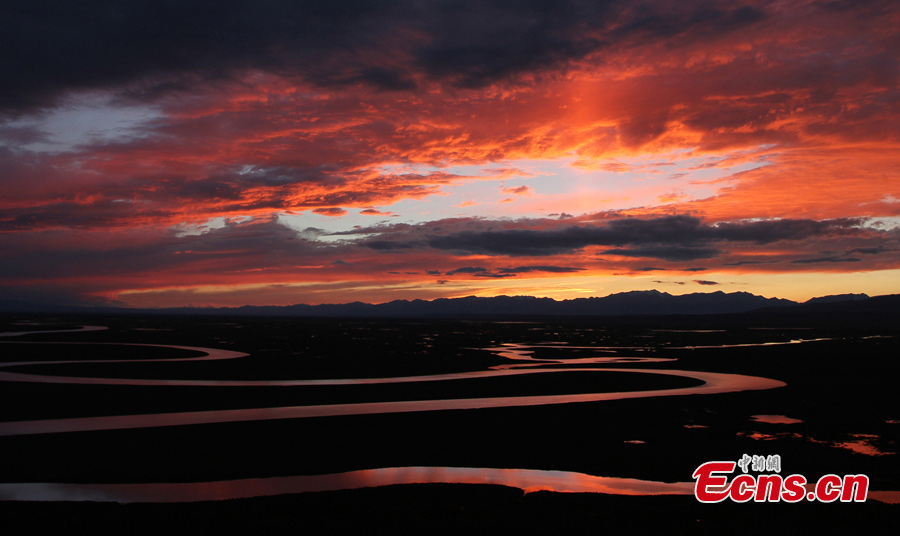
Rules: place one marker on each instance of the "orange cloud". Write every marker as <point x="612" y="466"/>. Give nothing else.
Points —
<point x="775" y="112"/>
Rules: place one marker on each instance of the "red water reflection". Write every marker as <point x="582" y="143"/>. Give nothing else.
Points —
<point x="529" y="480"/>
<point x="775" y="419"/>
<point x="526" y="479"/>
<point x="714" y="383"/>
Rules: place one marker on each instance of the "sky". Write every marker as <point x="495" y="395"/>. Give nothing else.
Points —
<point x="222" y="153"/>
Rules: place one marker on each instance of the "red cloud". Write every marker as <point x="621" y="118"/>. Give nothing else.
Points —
<point x="518" y="190"/>
<point x="331" y="211"/>
<point x="800" y="102"/>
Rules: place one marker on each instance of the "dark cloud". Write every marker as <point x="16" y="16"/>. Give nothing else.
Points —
<point x="742" y="263"/>
<point x="52" y="47"/>
<point x="232" y="248"/>
<point x="869" y="251"/>
<point x="74" y="215"/>
<point x="477" y="42"/>
<point x="385" y="78"/>
<point x="467" y="270"/>
<point x="767" y="231"/>
<point x="22" y="135"/>
<point x="705" y="282"/>
<point x="386" y="245"/>
<point x="231" y="190"/>
<point x="156" y="46"/>
<point x="273" y="176"/>
<point x="668" y="21"/>
<point x="668" y="253"/>
<point x="540" y="268"/>
<point x="668" y="237"/>
<point x="330" y="211"/>
<point x="480" y="271"/>
<point x="826" y="259"/>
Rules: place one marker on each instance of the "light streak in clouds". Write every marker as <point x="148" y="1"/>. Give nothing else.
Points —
<point x="237" y="167"/>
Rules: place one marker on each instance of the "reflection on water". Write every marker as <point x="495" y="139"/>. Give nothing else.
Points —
<point x="21" y="333"/>
<point x="524" y="353"/>
<point x="752" y="344"/>
<point x="775" y="419"/>
<point x="526" y="479"/>
<point x="210" y="354"/>
<point x="860" y="444"/>
<point x="863" y="444"/>
<point x="529" y="480"/>
<point x="713" y="383"/>
<point x="689" y="330"/>
<point x="889" y="497"/>
<point x="759" y="436"/>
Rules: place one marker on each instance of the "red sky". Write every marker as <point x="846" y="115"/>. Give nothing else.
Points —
<point x="272" y="153"/>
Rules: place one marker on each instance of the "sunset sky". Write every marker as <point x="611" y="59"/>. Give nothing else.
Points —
<point x="167" y="153"/>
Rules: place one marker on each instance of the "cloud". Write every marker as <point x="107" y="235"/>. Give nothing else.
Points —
<point x="169" y="196"/>
<point x="167" y="47"/>
<point x="301" y="106"/>
<point x="518" y="190"/>
<point x="705" y="282"/>
<point x="742" y="263"/>
<point x="777" y="122"/>
<point x="669" y="253"/>
<point x="499" y="273"/>
<point x="667" y="237"/>
<point x="386" y="245"/>
<point x="540" y="268"/>
<point x="375" y="212"/>
<point x="330" y="211"/>
<point x="129" y="255"/>
<point x="826" y="259"/>
<point x="467" y="270"/>
<point x="869" y="251"/>
<point x="154" y="48"/>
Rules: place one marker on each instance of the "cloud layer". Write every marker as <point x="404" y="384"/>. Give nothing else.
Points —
<point x="196" y="140"/>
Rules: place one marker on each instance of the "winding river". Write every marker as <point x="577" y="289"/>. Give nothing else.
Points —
<point x="526" y="479"/>
<point x="714" y="383"/>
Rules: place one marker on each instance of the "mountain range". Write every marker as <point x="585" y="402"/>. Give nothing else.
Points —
<point x="648" y="302"/>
